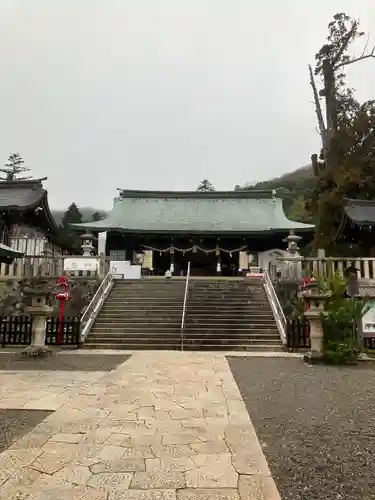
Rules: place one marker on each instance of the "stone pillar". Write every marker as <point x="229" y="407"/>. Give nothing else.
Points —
<point x="39" y="311"/>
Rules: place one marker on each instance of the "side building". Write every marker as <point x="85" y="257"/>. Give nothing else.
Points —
<point x="218" y="232"/>
<point x="28" y="232"/>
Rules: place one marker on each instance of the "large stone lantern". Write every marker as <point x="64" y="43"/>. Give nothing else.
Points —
<point x="37" y="292"/>
<point x="87" y="244"/>
<point x="315" y="301"/>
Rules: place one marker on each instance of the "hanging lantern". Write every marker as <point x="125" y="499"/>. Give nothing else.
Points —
<point x="194" y="249"/>
<point x="171" y="250"/>
<point x="217" y="251"/>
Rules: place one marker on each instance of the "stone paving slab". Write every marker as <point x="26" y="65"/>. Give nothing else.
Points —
<point x="161" y="426"/>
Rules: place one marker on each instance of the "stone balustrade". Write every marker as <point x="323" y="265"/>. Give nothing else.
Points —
<point x="297" y="267"/>
<point x="45" y="266"/>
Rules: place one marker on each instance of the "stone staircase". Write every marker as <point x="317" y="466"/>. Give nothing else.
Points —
<point x="140" y="314"/>
<point x="221" y="314"/>
<point x="229" y="314"/>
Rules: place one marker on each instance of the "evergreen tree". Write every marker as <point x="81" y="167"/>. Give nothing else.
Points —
<point x="13" y="168"/>
<point x="347" y="162"/>
<point x="96" y="216"/>
<point x="205" y="185"/>
<point x="67" y="237"/>
<point x="71" y="216"/>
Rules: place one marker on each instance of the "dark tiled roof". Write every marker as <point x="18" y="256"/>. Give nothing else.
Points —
<point x="20" y="195"/>
<point x="27" y="201"/>
<point x="9" y="252"/>
<point x="361" y="212"/>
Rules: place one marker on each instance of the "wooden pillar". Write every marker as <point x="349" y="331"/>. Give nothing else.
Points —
<point x="218" y="261"/>
<point x="172" y="258"/>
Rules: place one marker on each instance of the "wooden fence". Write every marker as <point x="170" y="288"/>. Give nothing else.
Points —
<point x="298" y="335"/>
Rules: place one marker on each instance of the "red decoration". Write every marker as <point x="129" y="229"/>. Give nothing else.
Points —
<point x="61" y="296"/>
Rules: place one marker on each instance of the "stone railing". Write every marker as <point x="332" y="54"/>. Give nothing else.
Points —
<point x="45" y="266"/>
<point x="297" y="267"/>
<point x="33" y="266"/>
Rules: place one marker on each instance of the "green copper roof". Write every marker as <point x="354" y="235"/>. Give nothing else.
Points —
<point x="197" y="212"/>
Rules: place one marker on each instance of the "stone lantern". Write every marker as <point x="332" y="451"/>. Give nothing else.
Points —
<point x="292" y="240"/>
<point x="294" y="261"/>
<point x="315" y="300"/>
<point x="87" y="245"/>
<point x="38" y="291"/>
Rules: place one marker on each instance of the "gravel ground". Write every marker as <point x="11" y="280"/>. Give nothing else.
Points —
<point x="63" y="362"/>
<point x="15" y="423"/>
<point x="316" y="425"/>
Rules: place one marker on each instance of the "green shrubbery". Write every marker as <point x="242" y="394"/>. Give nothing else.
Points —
<point x="341" y="317"/>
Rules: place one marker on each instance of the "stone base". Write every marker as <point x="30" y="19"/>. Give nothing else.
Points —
<point x="365" y="358"/>
<point x="313" y="357"/>
<point x="37" y="351"/>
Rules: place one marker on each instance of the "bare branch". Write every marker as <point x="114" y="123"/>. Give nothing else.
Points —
<point x="318" y="110"/>
<point x="356" y="59"/>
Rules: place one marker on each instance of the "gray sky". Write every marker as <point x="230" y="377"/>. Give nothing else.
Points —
<point x="158" y="94"/>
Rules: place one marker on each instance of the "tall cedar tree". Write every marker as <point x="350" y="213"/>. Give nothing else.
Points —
<point x="205" y="185"/>
<point x="13" y="168"/>
<point x="347" y="162"/>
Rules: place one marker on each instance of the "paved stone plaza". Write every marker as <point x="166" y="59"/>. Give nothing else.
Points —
<point x="162" y="425"/>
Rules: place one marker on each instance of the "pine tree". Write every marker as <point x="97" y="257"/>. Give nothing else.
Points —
<point x="13" y="168"/>
<point x="205" y="185"/>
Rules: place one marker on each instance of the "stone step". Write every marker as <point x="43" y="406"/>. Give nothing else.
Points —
<point x="170" y="334"/>
<point x="156" y="323"/>
<point x="153" y="296"/>
<point x="177" y="341"/>
<point x="251" y="306"/>
<point x="137" y="316"/>
<point x="187" y="347"/>
<point x="228" y="321"/>
<point x="148" y="313"/>
<point x="229" y="330"/>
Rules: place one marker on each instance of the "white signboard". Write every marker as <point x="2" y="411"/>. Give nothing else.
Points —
<point x="368" y="321"/>
<point x="80" y="264"/>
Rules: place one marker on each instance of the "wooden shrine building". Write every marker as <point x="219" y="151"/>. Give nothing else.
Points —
<point x="214" y="231"/>
<point x="356" y="231"/>
<point x="24" y="208"/>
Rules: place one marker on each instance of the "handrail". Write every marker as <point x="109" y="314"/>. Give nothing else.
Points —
<point x="94" y="306"/>
<point x="184" y="306"/>
<point x="276" y="306"/>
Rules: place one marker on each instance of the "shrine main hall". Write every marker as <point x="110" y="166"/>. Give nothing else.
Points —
<point x="216" y="231"/>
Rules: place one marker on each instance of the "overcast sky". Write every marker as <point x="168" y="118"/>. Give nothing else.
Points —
<point x="158" y="94"/>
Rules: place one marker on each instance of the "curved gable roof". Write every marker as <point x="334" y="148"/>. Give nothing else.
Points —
<point x="197" y="212"/>
<point x="361" y="212"/>
<point x="28" y="199"/>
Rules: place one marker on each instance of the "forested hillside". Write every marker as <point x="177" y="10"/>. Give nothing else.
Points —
<point x="294" y="188"/>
